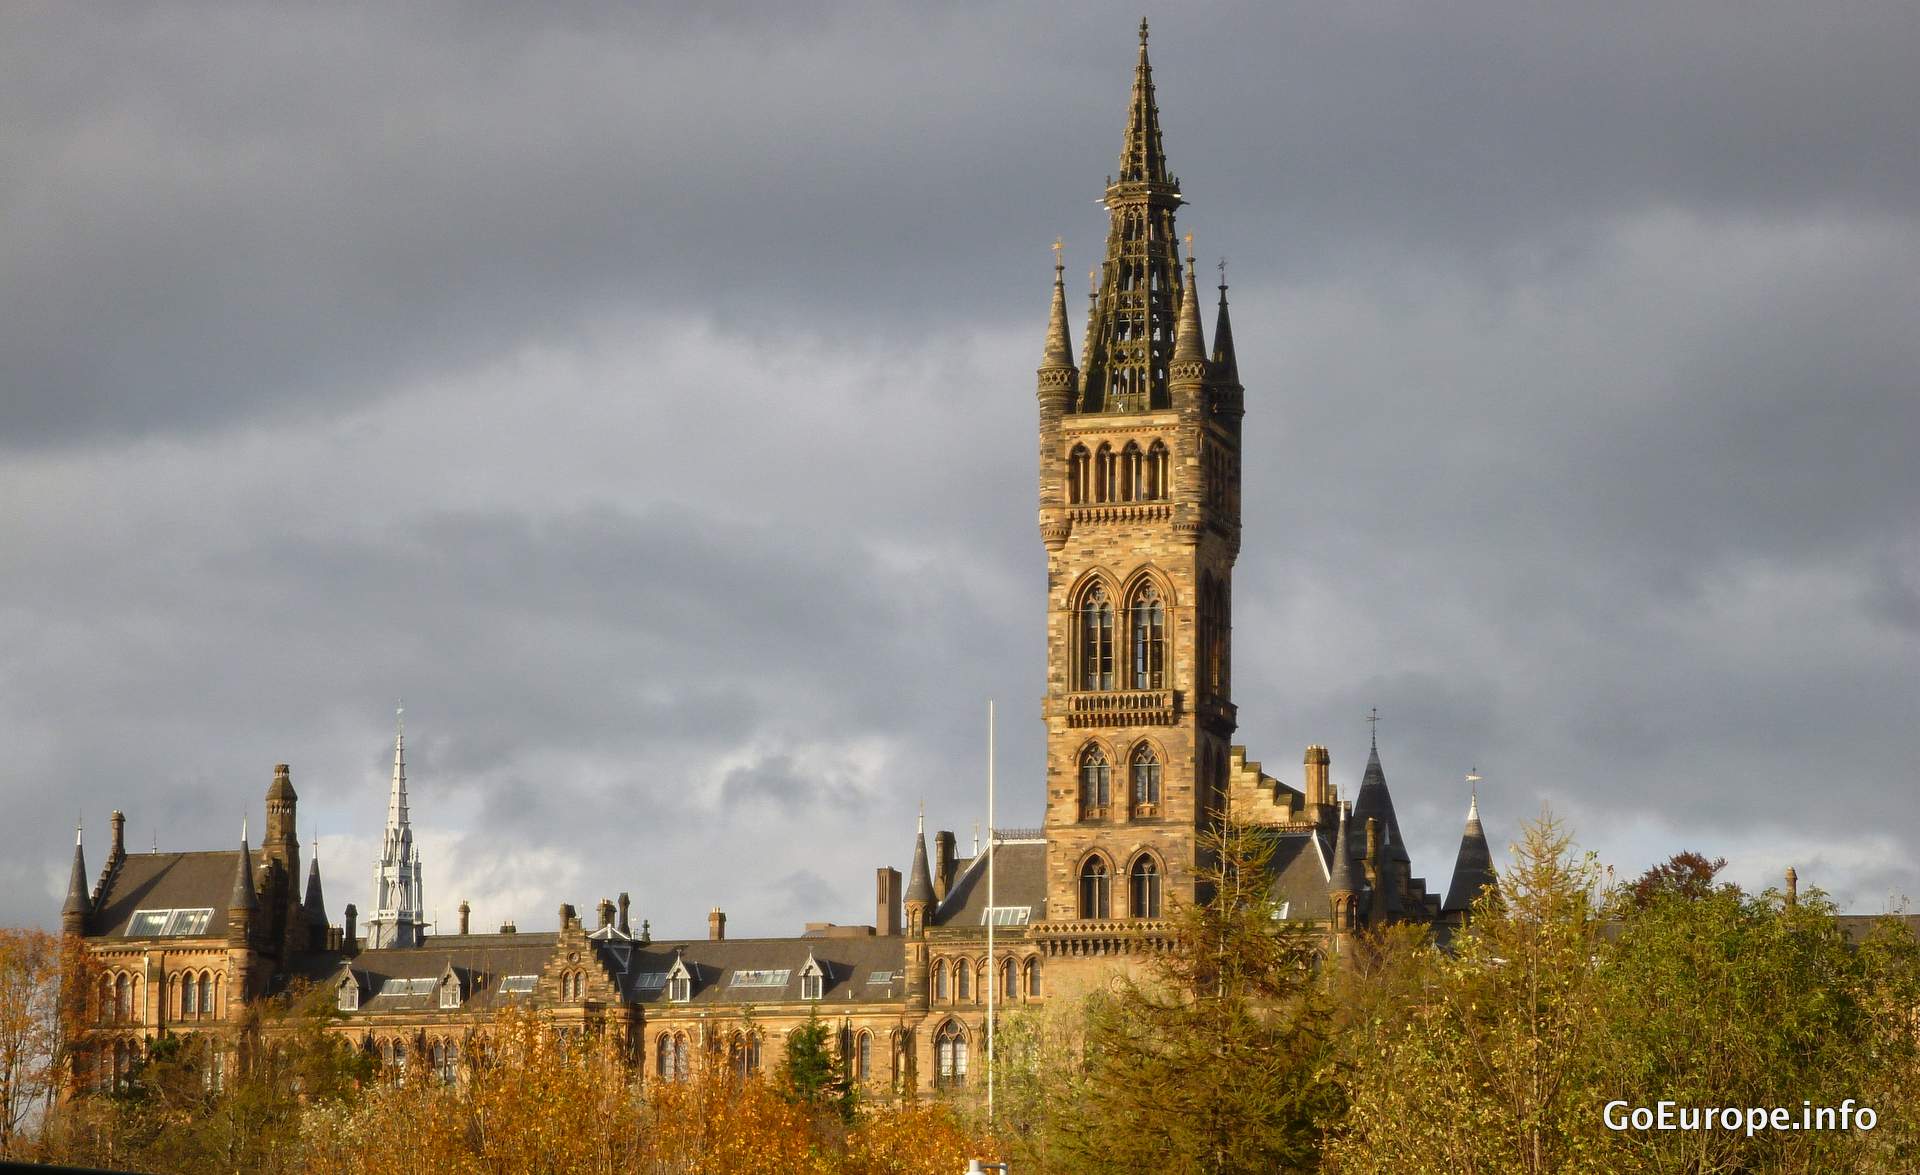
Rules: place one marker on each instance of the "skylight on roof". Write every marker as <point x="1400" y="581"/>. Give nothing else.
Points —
<point x="761" y="978"/>
<point x="169" y="923"/>
<point x="1006" y="915"/>
<point x="650" y="980"/>
<point x="518" y="984"/>
<point x="880" y="977"/>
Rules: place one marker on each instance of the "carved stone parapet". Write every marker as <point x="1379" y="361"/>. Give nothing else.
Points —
<point x="1096" y="938"/>
<point x="1122" y="512"/>
<point x="1123" y="708"/>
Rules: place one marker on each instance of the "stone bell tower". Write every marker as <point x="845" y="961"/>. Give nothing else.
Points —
<point x="1140" y="516"/>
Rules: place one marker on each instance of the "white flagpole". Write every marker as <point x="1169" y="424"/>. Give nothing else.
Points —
<point x="993" y="971"/>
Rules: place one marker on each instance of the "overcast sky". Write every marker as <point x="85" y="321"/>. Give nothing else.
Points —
<point x="647" y="399"/>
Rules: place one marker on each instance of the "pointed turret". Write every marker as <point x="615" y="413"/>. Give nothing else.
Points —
<point x="242" y="896"/>
<point x="1058" y="355"/>
<point x="1189" y="345"/>
<point x="920" y="878"/>
<point x="316" y="902"/>
<point x="1340" y="878"/>
<point x="1374" y="800"/>
<point x="73" y="915"/>
<point x="1226" y="366"/>
<point x="1473" y="868"/>
<point x="1130" y="330"/>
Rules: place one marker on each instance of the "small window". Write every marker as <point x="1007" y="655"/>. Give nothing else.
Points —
<point x="863" y="1057"/>
<point x="679" y="989"/>
<point x="349" y="1000"/>
<point x="1033" y="979"/>
<point x="450" y="992"/>
<point x="940" y="988"/>
<point x="810" y="986"/>
<point x="1096" y="784"/>
<point x="962" y="980"/>
<point x="1145" y="888"/>
<point x="1095" y="891"/>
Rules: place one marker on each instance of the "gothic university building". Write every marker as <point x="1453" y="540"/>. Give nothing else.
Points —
<point x="1139" y="513"/>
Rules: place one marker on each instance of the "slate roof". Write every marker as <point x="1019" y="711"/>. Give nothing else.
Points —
<point x="849" y="966"/>
<point x="168" y="881"/>
<point x="1473" y="868"/>
<point x="480" y="960"/>
<point x="1019" y="879"/>
<point x="1300" y="868"/>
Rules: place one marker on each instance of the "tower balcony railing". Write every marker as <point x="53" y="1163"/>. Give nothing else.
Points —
<point x="1152" y="707"/>
<point x="1102" y="936"/>
<point x="1120" y="511"/>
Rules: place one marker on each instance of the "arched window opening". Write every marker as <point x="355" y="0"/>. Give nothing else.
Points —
<point x="1132" y="474"/>
<point x="1009" y="980"/>
<point x="1079" y="476"/>
<point x="950" y="1054"/>
<point x="1095" y="784"/>
<point x="863" y="1056"/>
<point x="1105" y="475"/>
<point x="743" y="1053"/>
<point x="183" y="995"/>
<point x="962" y="981"/>
<point x="206" y="993"/>
<point x="1095" y="889"/>
<point x="1149" y="638"/>
<point x="1157" y="486"/>
<point x="940" y="988"/>
<point x="663" y="1060"/>
<point x="122" y="997"/>
<point x="1096" y="640"/>
<point x="1033" y="979"/>
<point x="1145" y="770"/>
<point x="1145" y="891"/>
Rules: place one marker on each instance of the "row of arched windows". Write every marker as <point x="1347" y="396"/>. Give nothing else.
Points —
<point x="573" y="985"/>
<point x="119" y="998"/>
<point x="1145" y="664"/>
<point x="1142" y="783"/>
<point x="192" y="994"/>
<point x="1131" y="474"/>
<point x="963" y="981"/>
<point x="1143" y="888"/>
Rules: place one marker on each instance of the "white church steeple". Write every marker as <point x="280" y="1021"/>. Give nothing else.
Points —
<point x="397" y="905"/>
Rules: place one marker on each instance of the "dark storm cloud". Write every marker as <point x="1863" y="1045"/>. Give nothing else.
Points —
<point x="643" y="394"/>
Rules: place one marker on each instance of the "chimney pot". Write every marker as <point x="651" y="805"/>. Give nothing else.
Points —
<point x="465" y="912"/>
<point x="716" y="924"/>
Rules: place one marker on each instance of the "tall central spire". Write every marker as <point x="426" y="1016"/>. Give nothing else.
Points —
<point x="1131" y="330"/>
<point x="398" y="910"/>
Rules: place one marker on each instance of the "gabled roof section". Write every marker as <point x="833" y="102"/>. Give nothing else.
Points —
<point x="1299" y="869"/>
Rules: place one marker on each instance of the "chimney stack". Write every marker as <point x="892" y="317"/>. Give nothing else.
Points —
<point x="466" y="913"/>
<point x="1793" y="887"/>
<point x="624" y="926"/>
<point x="1315" y="773"/>
<point x="605" y="911"/>
<point x="347" y="940"/>
<point x="118" y="850"/>
<point x="716" y="924"/>
<point x="943" y="868"/>
<point x="886" y="901"/>
<point x="567" y="916"/>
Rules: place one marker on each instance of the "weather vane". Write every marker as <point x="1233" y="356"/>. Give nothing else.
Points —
<point x="1373" y="720"/>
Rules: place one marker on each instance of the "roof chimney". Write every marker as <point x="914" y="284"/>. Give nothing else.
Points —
<point x="119" y="847"/>
<point x="886" y="901"/>
<point x="350" y="915"/>
<point x="1793" y="887"/>
<point x="466" y="912"/>
<point x="943" y="869"/>
<point x="625" y="927"/>
<point x="716" y="924"/>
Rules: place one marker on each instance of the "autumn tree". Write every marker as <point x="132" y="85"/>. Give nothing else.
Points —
<point x="45" y="982"/>
<point x="1219" y="1060"/>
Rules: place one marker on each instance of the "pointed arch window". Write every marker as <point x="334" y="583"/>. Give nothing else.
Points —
<point x="950" y="1054"/>
<point x="1096" y="639"/>
<point x="1096" y="897"/>
<point x="206" y="993"/>
<point x="1079" y="476"/>
<point x="1033" y="979"/>
<point x="863" y="1056"/>
<point x="1096" y="784"/>
<point x="1144" y="892"/>
<point x="1149" y="617"/>
<point x="1105" y="475"/>
<point x="1009" y="980"/>
<point x="962" y="981"/>
<point x="1132" y="473"/>
<point x="940" y="988"/>
<point x="1145" y="770"/>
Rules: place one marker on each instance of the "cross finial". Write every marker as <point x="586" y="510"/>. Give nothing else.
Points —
<point x="1373" y="720"/>
<point x="1223" y="274"/>
<point x="1143" y="30"/>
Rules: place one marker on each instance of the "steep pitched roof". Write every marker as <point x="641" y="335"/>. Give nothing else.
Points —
<point x="77" y="901"/>
<point x="163" y="881"/>
<point x="1300" y="867"/>
<point x="919" y="878"/>
<point x="1019" y="879"/>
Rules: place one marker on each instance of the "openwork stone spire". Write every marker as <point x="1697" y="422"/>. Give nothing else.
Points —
<point x="1130" y="331"/>
<point x="398" y="911"/>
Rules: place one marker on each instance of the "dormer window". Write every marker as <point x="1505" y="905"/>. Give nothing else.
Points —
<point x="680" y="982"/>
<point x="349" y="997"/>
<point x="450" y="992"/>
<point x="813" y="980"/>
